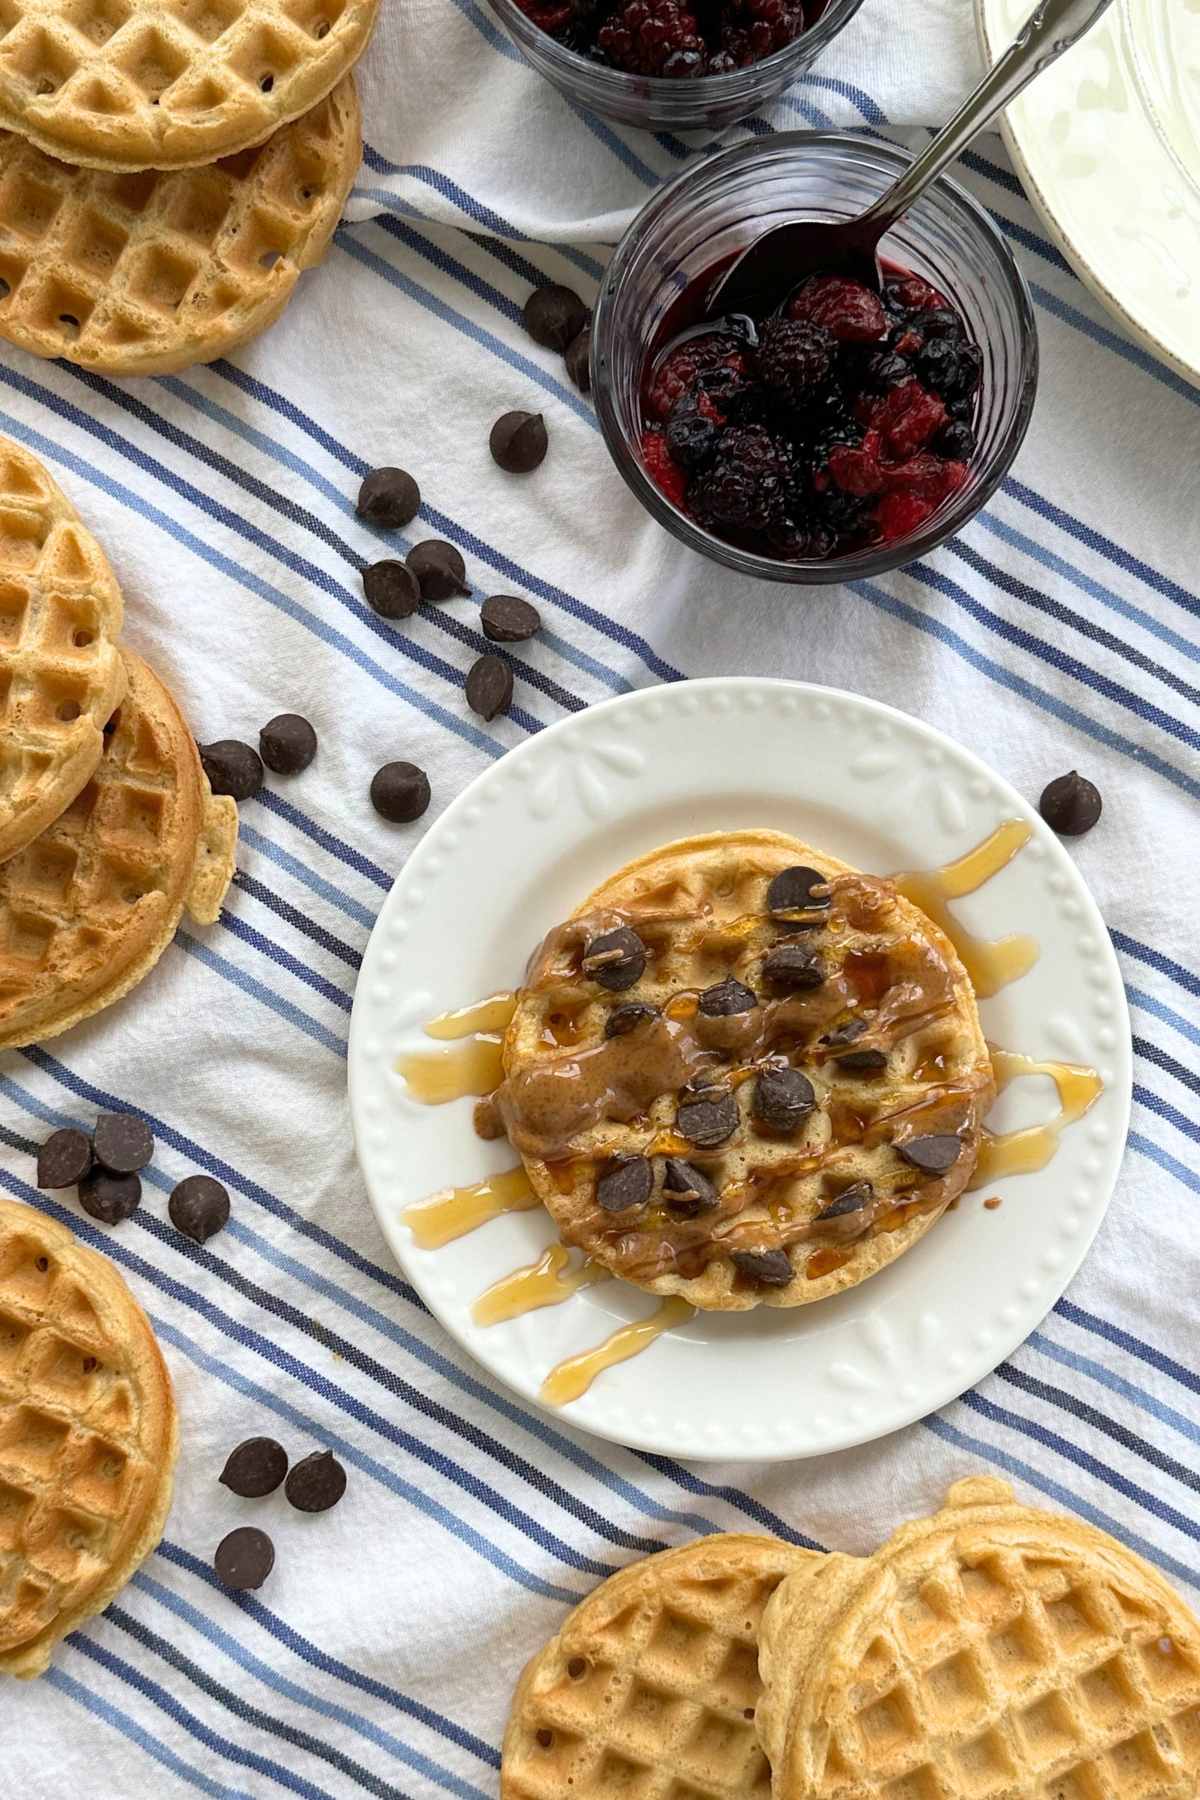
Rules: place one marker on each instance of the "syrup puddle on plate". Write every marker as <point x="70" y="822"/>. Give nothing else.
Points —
<point x="991" y="965"/>
<point x="547" y="1282"/>
<point x="1025" y="1151"/>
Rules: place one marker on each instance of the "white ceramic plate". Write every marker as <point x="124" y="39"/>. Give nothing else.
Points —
<point x="517" y="852"/>
<point x="1107" y="145"/>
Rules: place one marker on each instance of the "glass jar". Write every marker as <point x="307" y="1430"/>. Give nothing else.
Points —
<point x="703" y="103"/>
<point x="722" y="204"/>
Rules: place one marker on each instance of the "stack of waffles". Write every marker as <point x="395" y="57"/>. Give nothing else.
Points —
<point x="990" y="1652"/>
<point x="168" y="170"/>
<point x="108" y="828"/>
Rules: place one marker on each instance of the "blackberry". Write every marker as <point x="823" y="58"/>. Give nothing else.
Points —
<point x="715" y="361"/>
<point x="794" y="358"/>
<point x="955" y="440"/>
<point x="691" y="437"/>
<point x="753" y="29"/>
<point x="883" y="370"/>
<point x="938" y="365"/>
<point x="746" y="486"/>
<point x="643" y="36"/>
<point x="801" y="539"/>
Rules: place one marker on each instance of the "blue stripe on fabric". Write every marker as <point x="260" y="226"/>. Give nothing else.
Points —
<point x="303" y="1696"/>
<point x="1147" y="1003"/>
<point x="1162" y="1109"/>
<point x="316" y="884"/>
<point x="291" y="915"/>
<point x="1105" y="546"/>
<point x="284" y="959"/>
<point x="1166" y="1063"/>
<point x="1063" y="1496"/>
<point x="1125" y="1340"/>
<point x="137" y="1734"/>
<point x="497" y="248"/>
<point x="1098" y="1421"/>
<point x="1117" y="1384"/>
<point x="326" y="839"/>
<point x="1146" y="1147"/>
<point x="250" y="984"/>
<point x="1155" y="959"/>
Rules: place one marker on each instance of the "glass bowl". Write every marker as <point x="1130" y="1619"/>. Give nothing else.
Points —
<point x="724" y="202"/>
<point x="704" y="103"/>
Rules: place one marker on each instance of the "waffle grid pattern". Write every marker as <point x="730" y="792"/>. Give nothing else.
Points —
<point x="149" y="272"/>
<point x="138" y="84"/>
<point x="1017" y="1675"/>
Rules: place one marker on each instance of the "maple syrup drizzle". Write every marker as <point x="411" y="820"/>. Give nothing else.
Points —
<point x="573" y="1377"/>
<point x="547" y="1282"/>
<point x="991" y="965"/>
<point x="1025" y="1151"/>
<point x="470" y="1067"/>
<point x="493" y="1014"/>
<point x="451" y="1214"/>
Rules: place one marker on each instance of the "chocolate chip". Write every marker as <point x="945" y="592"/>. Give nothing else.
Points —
<point x="579" y="360"/>
<point x="933" y="1155"/>
<point x="1071" y="804"/>
<point x="792" y="891"/>
<point x="199" y="1207"/>
<point x="389" y="497"/>
<point x="769" y="1268"/>
<point x="518" y="441"/>
<point x="391" y="588"/>
<point x="624" y="1019"/>
<point x="507" y="619"/>
<point x="123" y="1143"/>
<point x="110" y="1198"/>
<point x="439" y="569"/>
<point x="783" y="1098"/>
<point x="232" y="768"/>
<point x="688" y="1192"/>
<point x="708" y="1119"/>
<point x="554" y="315"/>
<point x="316" y="1482"/>
<point x="850" y="1200"/>
<point x="255" y="1468"/>
<point x="287" y="743"/>
<point x="64" y="1159"/>
<point x="616" y="959"/>
<point x="845" y="1033"/>
<point x="625" y="1184"/>
<point x="726" y="999"/>
<point x="400" y="792"/>
<point x="793" y="967"/>
<point x="862" y="1062"/>
<point x="489" y="686"/>
<point x="245" y="1558"/>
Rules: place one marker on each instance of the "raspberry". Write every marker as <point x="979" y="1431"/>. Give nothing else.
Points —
<point x="898" y="515"/>
<point x="928" y="477"/>
<point x="746" y="487"/>
<point x="915" y="295"/>
<point x="553" y="18"/>
<point x="857" y="470"/>
<point x="794" y="358"/>
<point x="653" y="37"/>
<point x="682" y="370"/>
<point x="908" y="417"/>
<point x="850" y="311"/>
<point x="753" y="29"/>
<point x="666" y="475"/>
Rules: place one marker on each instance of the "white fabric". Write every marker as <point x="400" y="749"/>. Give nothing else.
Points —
<point x="1060" y="631"/>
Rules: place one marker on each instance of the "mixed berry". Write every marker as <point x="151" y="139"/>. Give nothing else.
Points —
<point x="675" y="39"/>
<point x="843" y="423"/>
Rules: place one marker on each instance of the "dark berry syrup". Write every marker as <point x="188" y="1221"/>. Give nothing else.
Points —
<point x="674" y="39"/>
<point x="842" y="424"/>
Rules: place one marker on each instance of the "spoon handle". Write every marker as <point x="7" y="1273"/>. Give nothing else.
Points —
<point x="1052" y="27"/>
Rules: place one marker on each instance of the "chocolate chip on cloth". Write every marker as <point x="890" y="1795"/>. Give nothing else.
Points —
<point x="726" y="999"/>
<point x="783" y="1098"/>
<point x="707" y="1118"/>
<point x="1071" y="804"/>
<point x="770" y="1268"/>
<point x="554" y="315"/>
<point x="255" y="1468"/>
<point x="316" y="1482"/>
<point x="489" y="686"/>
<point x="439" y="568"/>
<point x="625" y="1184"/>
<point x="122" y="1143"/>
<point x="199" y="1207"/>
<point x="64" y="1159"/>
<point x="110" y="1198"/>
<point x="578" y="359"/>
<point x="391" y="588"/>
<point x="794" y="968"/>
<point x="623" y="1019"/>
<point x="287" y="743"/>
<point x="616" y="959"/>
<point x="232" y="768"/>
<point x="518" y="442"/>
<point x="245" y="1558"/>
<point x="388" y="497"/>
<point x="794" y="891"/>
<point x="686" y="1190"/>
<point x="400" y="792"/>
<point x="507" y="619"/>
<point x="934" y="1154"/>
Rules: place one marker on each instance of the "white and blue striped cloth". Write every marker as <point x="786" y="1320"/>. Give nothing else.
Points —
<point x="1061" y="629"/>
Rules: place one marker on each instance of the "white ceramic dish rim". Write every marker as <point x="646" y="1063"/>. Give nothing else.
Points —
<point x="947" y="1373"/>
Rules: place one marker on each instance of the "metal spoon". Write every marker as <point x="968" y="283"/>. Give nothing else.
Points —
<point x="772" y="267"/>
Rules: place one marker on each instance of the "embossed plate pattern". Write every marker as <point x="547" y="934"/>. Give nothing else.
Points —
<point x="517" y="851"/>
<point x="1107" y="145"/>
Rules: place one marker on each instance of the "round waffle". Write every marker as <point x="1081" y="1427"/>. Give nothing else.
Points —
<point x="60" y="672"/>
<point x="990" y="1652"/>
<point x="143" y="274"/>
<point x="138" y="84"/>
<point x="88" y="1436"/>
<point x="650" y="1687"/>
<point x="88" y="908"/>
<point x="663" y="1151"/>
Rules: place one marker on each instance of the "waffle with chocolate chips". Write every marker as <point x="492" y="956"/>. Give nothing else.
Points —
<point x="745" y="1073"/>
